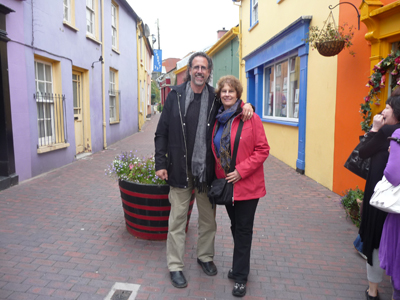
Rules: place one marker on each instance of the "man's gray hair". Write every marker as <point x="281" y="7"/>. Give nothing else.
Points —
<point x="189" y="65"/>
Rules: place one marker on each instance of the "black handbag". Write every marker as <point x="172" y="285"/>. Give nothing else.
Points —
<point x="356" y="164"/>
<point x="221" y="191"/>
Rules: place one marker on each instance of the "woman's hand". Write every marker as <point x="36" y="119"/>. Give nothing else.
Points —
<point x="247" y="112"/>
<point x="233" y="176"/>
<point x="377" y="122"/>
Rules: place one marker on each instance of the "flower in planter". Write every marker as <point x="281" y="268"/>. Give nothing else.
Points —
<point x="351" y="205"/>
<point x="330" y="33"/>
<point x="376" y="82"/>
<point x="127" y="166"/>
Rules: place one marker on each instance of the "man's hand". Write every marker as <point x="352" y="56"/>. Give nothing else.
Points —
<point x="247" y="113"/>
<point x="163" y="174"/>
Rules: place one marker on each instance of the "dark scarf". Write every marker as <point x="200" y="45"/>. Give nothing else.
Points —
<point x="225" y="118"/>
<point x="200" y="148"/>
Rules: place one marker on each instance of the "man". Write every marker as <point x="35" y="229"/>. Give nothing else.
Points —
<point x="183" y="157"/>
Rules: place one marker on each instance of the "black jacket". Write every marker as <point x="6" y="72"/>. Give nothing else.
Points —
<point x="375" y="146"/>
<point x="170" y="137"/>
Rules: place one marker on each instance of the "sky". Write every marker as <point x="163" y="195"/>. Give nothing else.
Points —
<point x="186" y="25"/>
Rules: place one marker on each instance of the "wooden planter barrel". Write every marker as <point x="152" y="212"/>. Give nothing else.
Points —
<point x="146" y="209"/>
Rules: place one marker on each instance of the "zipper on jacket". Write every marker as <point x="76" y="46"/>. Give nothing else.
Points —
<point x="209" y="114"/>
<point x="184" y="136"/>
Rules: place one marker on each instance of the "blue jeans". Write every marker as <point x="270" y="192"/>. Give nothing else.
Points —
<point x="358" y="244"/>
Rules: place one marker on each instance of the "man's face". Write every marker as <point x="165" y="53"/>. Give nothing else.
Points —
<point x="199" y="71"/>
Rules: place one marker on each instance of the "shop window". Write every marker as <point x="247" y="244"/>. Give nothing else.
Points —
<point x="281" y="90"/>
<point x="392" y="78"/>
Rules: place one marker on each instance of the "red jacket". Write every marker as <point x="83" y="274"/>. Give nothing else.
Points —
<point x="252" y="152"/>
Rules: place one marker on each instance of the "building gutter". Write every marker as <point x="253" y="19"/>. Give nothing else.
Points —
<point x="103" y="79"/>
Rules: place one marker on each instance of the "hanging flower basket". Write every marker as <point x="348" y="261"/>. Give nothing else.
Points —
<point x="330" y="48"/>
<point x="330" y="40"/>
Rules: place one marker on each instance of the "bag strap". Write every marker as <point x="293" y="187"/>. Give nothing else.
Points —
<point x="236" y="146"/>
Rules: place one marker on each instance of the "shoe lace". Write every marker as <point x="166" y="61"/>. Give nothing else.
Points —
<point x="239" y="286"/>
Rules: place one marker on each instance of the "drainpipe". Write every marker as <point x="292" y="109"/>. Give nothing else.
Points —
<point x="138" y="68"/>
<point x="240" y="44"/>
<point x="103" y="83"/>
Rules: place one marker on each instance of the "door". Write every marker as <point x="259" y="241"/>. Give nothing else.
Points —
<point x="78" y="111"/>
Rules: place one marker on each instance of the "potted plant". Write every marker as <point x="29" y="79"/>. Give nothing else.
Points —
<point x="351" y="202"/>
<point x="330" y="39"/>
<point x="144" y="196"/>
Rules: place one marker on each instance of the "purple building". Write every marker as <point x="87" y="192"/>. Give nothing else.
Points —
<point x="71" y="85"/>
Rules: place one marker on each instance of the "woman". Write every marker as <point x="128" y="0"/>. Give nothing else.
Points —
<point x="248" y="177"/>
<point x="375" y="146"/>
<point x="389" y="250"/>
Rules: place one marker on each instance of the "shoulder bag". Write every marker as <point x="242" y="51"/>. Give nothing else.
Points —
<point x="221" y="191"/>
<point x="356" y="164"/>
<point x="386" y="197"/>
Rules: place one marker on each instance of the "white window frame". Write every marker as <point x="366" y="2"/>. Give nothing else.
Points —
<point x="90" y="17"/>
<point x="254" y="12"/>
<point x="42" y="87"/>
<point x="113" y="97"/>
<point x="67" y="10"/>
<point x="289" y="91"/>
<point x="114" y="27"/>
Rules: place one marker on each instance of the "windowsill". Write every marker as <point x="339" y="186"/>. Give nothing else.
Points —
<point x="67" y="24"/>
<point x="54" y="147"/>
<point x="93" y="39"/>
<point x="116" y="51"/>
<point x="114" y="122"/>
<point x="281" y="122"/>
<point x="252" y="27"/>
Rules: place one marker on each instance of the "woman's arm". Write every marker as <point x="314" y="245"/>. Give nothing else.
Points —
<point x="260" y="149"/>
<point x="392" y="170"/>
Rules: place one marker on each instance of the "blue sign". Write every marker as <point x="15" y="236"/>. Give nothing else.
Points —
<point x="157" y="60"/>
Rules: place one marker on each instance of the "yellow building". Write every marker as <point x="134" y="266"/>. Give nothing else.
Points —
<point x="292" y="88"/>
<point x="144" y="55"/>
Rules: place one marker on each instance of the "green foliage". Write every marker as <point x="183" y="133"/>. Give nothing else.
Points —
<point x="330" y="33"/>
<point x="377" y="81"/>
<point x="352" y="208"/>
<point x="127" y="166"/>
<point x="159" y="107"/>
<point x="155" y="91"/>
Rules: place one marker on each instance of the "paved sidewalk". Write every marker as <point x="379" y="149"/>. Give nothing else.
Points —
<point x="63" y="236"/>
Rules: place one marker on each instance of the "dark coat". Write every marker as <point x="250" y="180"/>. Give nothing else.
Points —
<point x="170" y="137"/>
<point x="375" y="146"/>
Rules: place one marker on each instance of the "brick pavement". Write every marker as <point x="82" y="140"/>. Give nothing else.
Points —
<point x="62" y="236"/>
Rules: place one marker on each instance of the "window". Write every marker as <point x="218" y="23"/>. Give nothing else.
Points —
<point x="393" y="78"/>
<point x="90" y="17"/>
<point x="254" y="12"/>
<point x="67" y="11"/>
<point x="114" y="96"/>
<point x="281" y="89"/>
<point x="45" y="105"/>
<point x="114" y="25"/>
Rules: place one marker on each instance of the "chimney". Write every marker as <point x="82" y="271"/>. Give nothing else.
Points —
<point x="221" y="32"/>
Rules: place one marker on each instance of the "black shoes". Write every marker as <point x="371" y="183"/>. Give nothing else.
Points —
<point x="230" y="274"/>
<point x="368" y="297"/>
<point x="239" y="289"/>
<point x="178" y="280"/>
<point x="208" y="267"/>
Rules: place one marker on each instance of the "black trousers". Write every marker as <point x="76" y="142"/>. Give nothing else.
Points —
<point x="242" y="221"/>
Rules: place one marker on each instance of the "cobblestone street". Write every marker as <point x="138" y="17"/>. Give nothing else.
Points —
<point x="63" y="236"/>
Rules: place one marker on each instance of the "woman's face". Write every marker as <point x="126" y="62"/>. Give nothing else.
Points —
<point x="228" y="96"/>
<point x="388" y="115"/>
